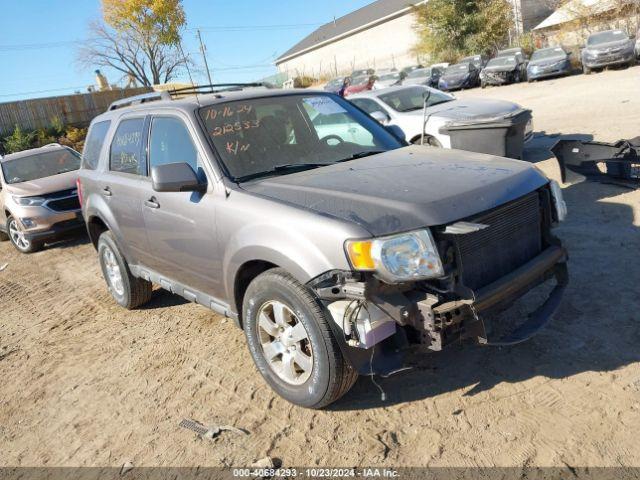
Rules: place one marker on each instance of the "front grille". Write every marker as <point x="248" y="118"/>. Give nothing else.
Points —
<point x="64" y="204"/>
<point x="514" y="237"/>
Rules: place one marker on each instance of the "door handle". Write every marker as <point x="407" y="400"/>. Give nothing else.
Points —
<point x="152" y="203"/>
<point x="106" y="191"/>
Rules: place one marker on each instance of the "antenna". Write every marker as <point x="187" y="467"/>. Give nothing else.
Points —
<point x="186" y="64"/>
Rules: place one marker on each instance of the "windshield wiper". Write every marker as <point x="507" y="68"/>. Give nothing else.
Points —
<point x="366" y="153"/>
<point x="299" y="167"/>
<point x="285" y="168"/>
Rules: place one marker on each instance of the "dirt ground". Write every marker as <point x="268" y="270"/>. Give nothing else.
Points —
<point x="84" y="382"/>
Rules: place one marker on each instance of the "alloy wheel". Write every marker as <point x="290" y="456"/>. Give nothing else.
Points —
<point x="17" y="236"/>
<point x="285" y="343"/>
<point x="114" y="275"/>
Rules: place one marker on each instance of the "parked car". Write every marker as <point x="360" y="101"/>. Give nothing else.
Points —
<point x="429" y="76"/>
<point x="548" y="62"/>
<point x="363" y="73"/>
<point x="608" y="48"/>
<point x="501" y="71"/>
<point x="332" y="255"/>
<point x="38" y="196"/>
<point x="479" y="125"/>
<point x="521" y="57"/>
<point x="459" y="77"/>
<point x="478" y="61"/>
<point x="387" y="80"/>
<point x="407" y="70"/>
<point x="334" y="85"/>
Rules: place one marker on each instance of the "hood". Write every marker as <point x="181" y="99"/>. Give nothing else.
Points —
<point x="405" y="189"/>
<point x="472" y="109"/>
<point x="415" y="81"/>
<point x="42" y="186"/>
<point x="609" y="46"/>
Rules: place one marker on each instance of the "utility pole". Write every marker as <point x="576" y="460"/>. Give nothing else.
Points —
<point x="204" y="57"/>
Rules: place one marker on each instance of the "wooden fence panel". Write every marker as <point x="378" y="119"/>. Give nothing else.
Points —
<point x="77" y="110"/>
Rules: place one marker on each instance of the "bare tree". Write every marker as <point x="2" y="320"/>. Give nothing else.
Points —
<point x="146" y="58"/>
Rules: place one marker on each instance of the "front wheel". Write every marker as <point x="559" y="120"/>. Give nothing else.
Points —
<point x="586" y="70"/>
<point x="291" y="341"/>
<point x="428" y="141"/>
<point x="18" y="239"/>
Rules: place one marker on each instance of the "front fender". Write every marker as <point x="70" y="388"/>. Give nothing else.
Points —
<point x="302" y="257"/>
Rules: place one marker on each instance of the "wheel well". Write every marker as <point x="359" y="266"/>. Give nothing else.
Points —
<point x="244" y="277"/>
<point x="96" y="227"/>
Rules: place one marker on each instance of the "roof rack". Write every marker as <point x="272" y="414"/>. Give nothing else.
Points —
<point x="137" y="99"/>
<point x="217" y="88"/>
<point x="184" y="91"/>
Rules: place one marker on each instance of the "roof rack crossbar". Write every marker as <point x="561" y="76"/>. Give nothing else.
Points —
<point x="215" y="88"/>
<point x="137" y="99"/>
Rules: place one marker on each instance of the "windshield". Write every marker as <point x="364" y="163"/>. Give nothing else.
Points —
<point x="457" y="69"/>
<point x="412" y="98"/>
<point x="606" y="37"/>
<point x="389" y="76"/>
<point x="420" y="73"/>
<point x="509" y="53"/>
<point x="275" y="135"/>
<point x="502" y="62"/>
<point x="548" y="53"/>
<point x="335" y="83"/>
<point x="40" y="165"/>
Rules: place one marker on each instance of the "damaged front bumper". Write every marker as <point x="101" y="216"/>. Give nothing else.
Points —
<point x="617" y="163"/>
<point x="387" y="319"/>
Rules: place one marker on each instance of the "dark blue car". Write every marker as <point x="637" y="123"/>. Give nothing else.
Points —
<point x="548" y="62"/>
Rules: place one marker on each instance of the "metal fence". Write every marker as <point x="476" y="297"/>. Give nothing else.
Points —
<point x="77" y="110"/>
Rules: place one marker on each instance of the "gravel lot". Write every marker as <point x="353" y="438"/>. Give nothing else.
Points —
<point x="87" y="383"/>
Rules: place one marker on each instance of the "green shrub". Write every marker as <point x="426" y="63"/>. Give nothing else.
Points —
<point x="18" y="140"/>
<point x="57" y="127"/>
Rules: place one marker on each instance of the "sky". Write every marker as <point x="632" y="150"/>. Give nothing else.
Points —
<point x="39" y="40"/>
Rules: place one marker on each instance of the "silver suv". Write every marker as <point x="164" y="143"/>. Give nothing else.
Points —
<point x="332" y="243"/>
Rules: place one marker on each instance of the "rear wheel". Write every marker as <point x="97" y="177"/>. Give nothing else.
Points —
<point x="291" y="341"/>
<point x="18" y="239"/>
<point x="128" y="291"/>
<point x="428" y="141"/>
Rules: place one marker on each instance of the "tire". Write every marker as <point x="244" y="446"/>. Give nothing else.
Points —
<point x="483" y="85"/>
<point x="586" y="70"/>
<point x="325" y="375"/>
<point x="429" y="141"/>
<point x="17" y="239"/>
<point x="129" y="292"/>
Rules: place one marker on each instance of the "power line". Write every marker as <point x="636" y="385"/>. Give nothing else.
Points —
<point x="40" y="91"/>
<point x="217" y="28"/>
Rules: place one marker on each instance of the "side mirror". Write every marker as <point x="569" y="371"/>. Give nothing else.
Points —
<point x="381" y="117"/>
<point x="176" y="177"/>
<point x="397" y="132"/>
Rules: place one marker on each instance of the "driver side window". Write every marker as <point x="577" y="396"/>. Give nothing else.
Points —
<point x="170" y="142"/>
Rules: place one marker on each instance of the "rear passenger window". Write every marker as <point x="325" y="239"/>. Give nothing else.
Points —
<point x="170" y="142"/>
<point x="126" y="148"/>
<point x="93" y="144"/>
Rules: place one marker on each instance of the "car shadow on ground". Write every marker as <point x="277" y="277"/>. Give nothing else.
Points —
<point x="539" y="147"/>
<point x="595" y="329"/>
<point x="69" y="241"/>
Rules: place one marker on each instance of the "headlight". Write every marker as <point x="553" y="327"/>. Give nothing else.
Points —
<point x="29" y="201"/>
<point x="397" y="258"/>
<point x="558" y="200"/>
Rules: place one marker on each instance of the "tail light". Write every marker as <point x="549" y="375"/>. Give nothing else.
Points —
<point x="79" y="187"/>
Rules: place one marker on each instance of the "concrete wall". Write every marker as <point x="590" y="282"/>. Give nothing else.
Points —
<point x="530" y="13"/>
<point x="383" y="46"/>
